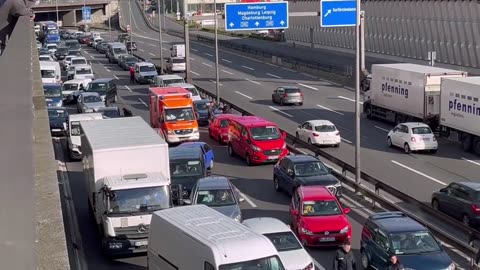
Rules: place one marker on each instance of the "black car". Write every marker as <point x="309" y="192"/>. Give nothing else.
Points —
<point x="58" y="118"/>
<point x="61" y="53"/>
<point x="131" y="46"/>
<point x="74" y="52"/>
<point x="201" y="109"/>
<point x="304" y="170"/>
<point x="109" y="112"/>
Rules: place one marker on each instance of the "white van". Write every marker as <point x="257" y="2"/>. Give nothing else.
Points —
<point x="176" y="64"/>
<point x="50" y="72"/>
<point x="189" y="87"/>
<point x="72" y="87"/>
<point x="74" y="132"/>
<point x="206" y="239"/>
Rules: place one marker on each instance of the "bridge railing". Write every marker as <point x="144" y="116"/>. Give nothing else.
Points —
<point x="49" y="3"/>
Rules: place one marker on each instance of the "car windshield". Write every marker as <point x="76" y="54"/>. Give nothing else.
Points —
<point x="194" y="91"/>
<point x="70" y="86"/>
<point x="73" y="45"/>
<point x="310" y="169"/>
<point x="130" y="60"/>
<point x="79" y="62"/>
<point x="44" y="58"/>
<point x="119" y="51"/>
<point x="91" y="99"/>
<point x="145" y="199"/>
<point x="201" y="106"/>
<point x="269" y="263"/>
<point x="76" y="53"/>
<point x="284" y="241"/>
<point x="178" y="60"/>
<point x="147" y="68"/>
<point x="179" y="114"/>
<point x="292" y="90"/>
<point x="219" y="197"/>
<point x="325" y="128"/>
<point x="62" y="50"/>
<point x="51" y="47"/>
<point x="48" y="73"/>
<point x="57" y="113"/>
<point x="421" y="130"/>
<point x="75" y="129"/>
<point x="110" y="113"/>
<point x="83" y="71"/>
<point x="265" y="133"/>
<point x="185" y="168"/>
<point x="172" y="81"/>
<point x="320" y="208"/>
<point x="413" y="243"/>
<point x="52" y="91"/>
<point x="96" y="87"/>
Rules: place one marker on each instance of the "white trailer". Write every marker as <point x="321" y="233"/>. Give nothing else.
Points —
<point x="178" y="50"/>
<point x="127" y="172"/>
<point x="198" y="237"/>
<point x="460" y="111"/>
<point x="406" y="92"/>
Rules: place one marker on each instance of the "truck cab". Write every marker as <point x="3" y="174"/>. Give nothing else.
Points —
<point x="172" y="111"/>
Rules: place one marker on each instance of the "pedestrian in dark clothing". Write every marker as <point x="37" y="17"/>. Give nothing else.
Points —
<point x="344" y="258"/>
<point x="127" y="112"/>
<point x="395" y="263"/>
<point x="10" y="10"/>
<point x="132" y="75"/>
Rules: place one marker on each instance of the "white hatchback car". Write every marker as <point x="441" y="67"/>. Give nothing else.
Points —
<point x="319" y="132"/>
<point x="413" y="136"/>
<point x="291" y="252"/>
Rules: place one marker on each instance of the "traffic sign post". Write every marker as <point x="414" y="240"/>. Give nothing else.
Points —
<point x="338" y="13"/>
<point x="87" y="14"/>
<point x="256" y="16"/>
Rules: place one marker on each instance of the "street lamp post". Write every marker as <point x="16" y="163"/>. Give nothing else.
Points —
<point x="160" y="36"/>
<point x="130" y="23"/>
<point x="217" y="76"/>
<point x="56" y="8"/>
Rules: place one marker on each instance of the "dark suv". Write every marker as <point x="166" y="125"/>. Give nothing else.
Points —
<point x="394" y="233"/>
<point x="460" y="200"/>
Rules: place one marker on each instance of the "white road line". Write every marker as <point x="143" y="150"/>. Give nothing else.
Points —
<point x="153" y="45"/>
<point x="143" y="102"/>
<point x="308" y="75"/>
<point x="347" y="141"/>
<point x="116" y="77"/>
<point x="275" y="109"/>
<point x="417" y="172"/>
<point x="216" y="82"/>
<point x="141" y="50"/>
<point x="272" y="65"/>
<point x="165" y="49"/>
<point x="248" y="67"/>
<point x="242" y="94"/>
<point x="471" y="161"/>
<point x="228" y="72"/>
<point x="247" y="199"/>
<point x="151" y="54"/>
<point x="349" y="99"/>
<point x="253" y="81"/>
<point x="383" y="129"/>
<point x="107" y="69"/>
<point x="273" y="75"/>
<point x="211" y="55"/>
<point x="291" y="70"/>
<point x="195" y="50"/>
<point x="208" y="65"/>
<point x="86" y="52"/>
<point x="308" y="86"/>
<point x="225" y="60"/>
<point x="328" y="109"/>
<point x="192" y="59"/>
<point x="141" y="42"/>
<point x="195" y="73"/>
<point x="317" y="264"/>
<point x="128" y="88"/>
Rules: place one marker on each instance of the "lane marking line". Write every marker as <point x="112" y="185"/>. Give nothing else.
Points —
<point x="141" y="42"/>
<point x="107" y="68"/>
<point x="153" y="45"/>
<point x="242" y="94"/>
<point x="151" y="54"/>
<point x="253" y="81"/>
<point x="195" y="73"/>
<point x="228" y="72"/>
<point x="86" y="52"/>
<point x="193" y="59"/>
<point x="308" y="75"/>
<point x="275" y="109"/>
<point x="291" y="70"/>
<point x="141" y="50"/>
<point x="308" y="86"/>
<point x="383" y="129"/>
<point x="273" y="75"/>
<point x="116" y="77"/>
<point x="418" y="172"/>
<point x="195" y="50"/>
<point x="349" y="99"/>
<point x="225" y="60"/>
<point x="471" y="161"/>
<point x="143" y="102"/>
<point x="328" y="109"/>
<point x="128" y="88"/>
<point x="208" y="65"/>
<point x="248" y="67"/>
<point x="211" y="55"/>
<point x="269" y="64"/>
<point x="165" y="49"/>
<point x="347" y="141"/>
<point x="247" y="199"/>
<point x="216" y="82"/>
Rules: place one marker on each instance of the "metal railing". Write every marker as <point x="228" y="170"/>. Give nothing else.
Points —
<point x="49" y="3"/>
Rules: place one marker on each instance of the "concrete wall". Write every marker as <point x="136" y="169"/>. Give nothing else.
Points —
<point x="403" y="28"/>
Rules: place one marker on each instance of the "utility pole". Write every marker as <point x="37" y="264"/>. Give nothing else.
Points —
<point x="160" y="37"/>
<point x="187" y="40"/>
<point x="110" y="22"/>
<point x="130" y="23"/>
<point x="164" y="24"/>
<point x="217" y="76"/>
<point x="362" y="41"/>
<point x="357" y="94"/>
<point x="56" y="8"/>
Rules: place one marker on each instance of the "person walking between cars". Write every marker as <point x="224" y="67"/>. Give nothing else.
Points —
<point x="132" y="75"/>
<point x="395" y="263"/>
<point x="344" y="258"/>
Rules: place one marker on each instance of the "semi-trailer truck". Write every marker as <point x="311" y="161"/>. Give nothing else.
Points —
<point x="127" y="173"/>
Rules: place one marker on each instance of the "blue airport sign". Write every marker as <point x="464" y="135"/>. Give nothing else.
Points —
<point x="87" y="14"/>
<point x="337" y="13"/>
<point x="256" y="16"/>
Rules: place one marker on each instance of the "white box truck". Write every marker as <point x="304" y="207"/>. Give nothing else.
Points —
<point x="406" y="92"/>
<point x="460" y="111"/>
<point x="178" y="50"/>
<point x="198" y="237"/>
<point x="127" y="173"/>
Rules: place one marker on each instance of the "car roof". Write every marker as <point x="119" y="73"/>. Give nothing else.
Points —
<point x="184" y="153"/>
<point x="191" y="144"/>
<point x="56" y="108"/>
<point x="167" y="77"/>
<point x="144" y="64"/>
<point x="301" y="158"/>
<point x="289" y="87"/>
<point x="78" y="57"/>
<point x="107" y="109"/>
<point x="315" y="193"/>
<point x="183" y="85"/>
<point x="470" y="184"/>
<point x="82" y="66"/>
<point x="252" y="121"/>
<point x="213" y="182"/>
<point x="414" y="124"/>
<point x="85" y="94"/>
<point x="320" y="122"/>
<point x="102" y="80"/>
<point x="266" y="225"/>
<point x="392" y="222"/>
<point x="75" y="81"/>
<point x="226" y="116"/>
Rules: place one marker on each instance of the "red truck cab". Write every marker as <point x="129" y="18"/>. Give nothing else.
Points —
<point x="172" y="112"/>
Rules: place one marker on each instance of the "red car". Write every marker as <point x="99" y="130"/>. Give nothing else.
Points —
<point x="218" y="127"/>
<point x="317" y="217"/>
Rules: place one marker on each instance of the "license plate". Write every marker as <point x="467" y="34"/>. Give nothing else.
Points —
<point x="141" y="243"/>
<point x="327" y="141"/>
<point x="426" y="139"/>
<point x="327" y="239"/>
<point x="273" y="157"/>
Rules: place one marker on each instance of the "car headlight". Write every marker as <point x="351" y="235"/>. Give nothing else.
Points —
<point x="64" y="126"/>
<point x="59" y="104"/>
<point x="309" y="266"/>
<point x="338" y="184"/>
<point x="305" y="231"/>
<point x="345" y="230"/>
<point x="255" y="148"/>
<point x="451" y="266"/>
<point x="195" y="130"/>
<point x="115" y="245"/>
<point x="238" y="218"/>
<point x="75" y="147"/>
<point x="284" y="146"/>
<point x="89" y="110"/>
<point x="170" y="132"/>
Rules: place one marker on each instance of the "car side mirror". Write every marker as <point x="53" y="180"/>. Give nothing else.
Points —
<point x="187" y="201"/>
<point x="294" y="212"/>
<point x="284" y="134"/>
<point x="346" y="210"/>
<point x="329" y="170"/>
<point x="290" y="172"/>
<point x="443" y="190"/>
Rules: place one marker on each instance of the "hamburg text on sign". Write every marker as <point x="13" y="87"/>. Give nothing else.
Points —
<point x="256" y="16"/>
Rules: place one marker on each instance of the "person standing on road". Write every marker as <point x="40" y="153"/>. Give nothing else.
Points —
<point x="395" y="263"/>
<point x="132" y="75"/>
<point x="344" y="258"/>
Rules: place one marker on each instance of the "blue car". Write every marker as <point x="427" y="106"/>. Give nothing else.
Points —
<point x="53" y="94"/>
<point x="206" y="150"/>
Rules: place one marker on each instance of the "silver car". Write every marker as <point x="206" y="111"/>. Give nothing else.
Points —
<point x="287" y="95"/>
<point x="89" y="102"/>
<point x="218" y="193"/>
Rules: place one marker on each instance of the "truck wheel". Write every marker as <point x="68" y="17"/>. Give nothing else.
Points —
<point x="476" y="145"/>
<point x="368" y="111"/>
<point x="466" y="142"/>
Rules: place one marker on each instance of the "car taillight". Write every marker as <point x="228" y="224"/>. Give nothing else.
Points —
<point x="285" y="95"/>
<point x="315" y="134"/>
<point x="475" y="209"/>
<point x="413" y="139"/>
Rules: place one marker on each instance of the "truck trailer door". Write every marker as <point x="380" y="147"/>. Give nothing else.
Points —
<point x="432" y="101"/>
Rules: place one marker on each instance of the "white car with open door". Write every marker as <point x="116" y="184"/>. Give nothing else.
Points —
<point x="413" y="136"/>
<point x="319" y="132"/>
